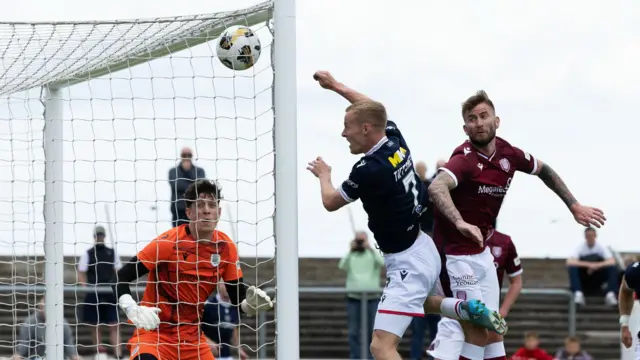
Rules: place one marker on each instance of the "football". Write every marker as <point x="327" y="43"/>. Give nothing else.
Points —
<point x="238" y="48"/>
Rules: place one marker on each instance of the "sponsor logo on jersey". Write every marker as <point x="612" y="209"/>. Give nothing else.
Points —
<point x="397" y="157"/>
<point x="516" y="261"/>
<point x="492" y="190"/>
<point x="505" y="165"/>
<point x="496" y="251"/>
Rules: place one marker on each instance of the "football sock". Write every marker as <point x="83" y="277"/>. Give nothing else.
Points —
<point x="452" y="308"/>
<point x="471" y="352"/>
<point x="495" y="351"/>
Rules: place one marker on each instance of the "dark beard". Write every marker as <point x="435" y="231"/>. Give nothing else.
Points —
<point x="482" y="143"/>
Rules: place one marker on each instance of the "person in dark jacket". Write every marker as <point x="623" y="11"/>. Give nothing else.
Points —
<point x="180" y="177"/>
<point x="97" y="266"/>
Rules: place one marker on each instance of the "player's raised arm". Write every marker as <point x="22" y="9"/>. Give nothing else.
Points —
<point x="584" y="215"/>
<point x="327" y="81"/>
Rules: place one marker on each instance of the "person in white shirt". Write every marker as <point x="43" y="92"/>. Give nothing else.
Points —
<point x="590" y="267"/>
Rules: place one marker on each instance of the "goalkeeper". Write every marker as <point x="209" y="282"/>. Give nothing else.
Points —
<point x="184" y="266"/>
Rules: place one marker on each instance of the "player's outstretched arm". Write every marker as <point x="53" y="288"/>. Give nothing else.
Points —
<point x="332" y="200"/>
<point x="143" y="317"/>
<point x="250" y="299"/>
<point x="584" y="215"/>
<point x="440" y="193"/>
<point x="625" y="306"/>
<point x="327" y="81"/>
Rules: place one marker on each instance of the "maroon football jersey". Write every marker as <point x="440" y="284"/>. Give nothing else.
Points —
<point x="505" y="256"/>
<point x="481" y="184"/>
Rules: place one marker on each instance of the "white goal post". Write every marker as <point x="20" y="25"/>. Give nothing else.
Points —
<point x="49" y="58"/>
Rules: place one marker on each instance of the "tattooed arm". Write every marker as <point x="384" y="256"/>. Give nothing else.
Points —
<point x="553" y="181"/>
<point x="440" y="193"/>
<point x="584" y="215"/>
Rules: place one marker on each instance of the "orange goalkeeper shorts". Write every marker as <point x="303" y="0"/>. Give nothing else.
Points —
<point x="169" y="347"/>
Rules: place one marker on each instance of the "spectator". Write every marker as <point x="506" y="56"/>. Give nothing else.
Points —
<point x="591" y="266"/>
<point x="362" y="264"/>
<point x="220" y="322"/>
<point x="97" y="266"/>
<point x="572" y="351"/>
<point x="531" y="349"/>
<point x="31" y="344"/>
<point x="180" y="177"/>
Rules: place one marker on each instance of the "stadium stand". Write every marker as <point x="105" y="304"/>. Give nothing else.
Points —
<point x="323" y="316"/>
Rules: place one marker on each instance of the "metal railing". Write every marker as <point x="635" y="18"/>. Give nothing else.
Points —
<point x="262" y="319"/>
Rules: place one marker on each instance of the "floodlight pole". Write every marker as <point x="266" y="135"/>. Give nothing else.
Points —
<point x="54" y="224"/>
<point x="286" y="173"/>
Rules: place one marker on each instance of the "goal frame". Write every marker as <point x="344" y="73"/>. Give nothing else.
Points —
<point x="283" y="14"/>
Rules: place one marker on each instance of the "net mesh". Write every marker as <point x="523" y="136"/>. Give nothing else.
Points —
<point x="133" y="93"/>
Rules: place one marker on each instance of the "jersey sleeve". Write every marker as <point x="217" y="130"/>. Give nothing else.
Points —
<point x="351" y="189"/>
<point x="459" y="167"/>
<point x="232" y="269"/>
<point x="632" y="276"/>
<point x="83" y="262"/>
<point x="524" y="161"/>
<point x="158" y="250"/>
<point x="513" y="266"/>
<point x="392" y="130"/>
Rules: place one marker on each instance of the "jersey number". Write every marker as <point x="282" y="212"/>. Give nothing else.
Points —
<point x="409" y="182"/>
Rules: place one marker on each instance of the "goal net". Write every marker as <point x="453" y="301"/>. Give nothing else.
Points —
<point x="93" y="117"/>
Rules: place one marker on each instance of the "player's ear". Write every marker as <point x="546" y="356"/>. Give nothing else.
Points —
<point x="219" y="210"/>
<point x="464" y="127"/>
<point x="497" y="122"/>
<point x="188" y="211"/>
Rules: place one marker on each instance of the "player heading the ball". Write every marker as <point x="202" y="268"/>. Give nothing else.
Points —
<point x="184" y="265"/>
<point x="468" y="193"/>
<point x="394" y="198"/>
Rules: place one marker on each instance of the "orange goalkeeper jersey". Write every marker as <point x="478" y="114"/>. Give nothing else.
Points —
<point x="183" y="273"/>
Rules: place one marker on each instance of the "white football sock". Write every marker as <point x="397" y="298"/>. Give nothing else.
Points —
<point x="451" y="308"/>
<point x="472" y="352"/>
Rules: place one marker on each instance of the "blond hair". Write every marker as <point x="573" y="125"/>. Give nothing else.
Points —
<point x="369" y="111"/>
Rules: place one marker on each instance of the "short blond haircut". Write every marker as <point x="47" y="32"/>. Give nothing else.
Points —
<point x="369" y="111"/>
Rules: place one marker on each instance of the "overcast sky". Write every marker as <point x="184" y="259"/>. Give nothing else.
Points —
<point x="563" y="76"/>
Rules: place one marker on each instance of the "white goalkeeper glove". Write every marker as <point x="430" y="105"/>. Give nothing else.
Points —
<point x="255" y="301"/>
<point x="143" y="317"/>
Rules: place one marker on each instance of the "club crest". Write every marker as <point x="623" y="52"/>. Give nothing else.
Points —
<point x="505" y="165"/>
<point x="215" y="260"/>
<point x="496" y="251"/>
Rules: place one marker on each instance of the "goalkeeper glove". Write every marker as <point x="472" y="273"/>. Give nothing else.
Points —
<point x="143" y="317"/>
<point x="255" y="301"/>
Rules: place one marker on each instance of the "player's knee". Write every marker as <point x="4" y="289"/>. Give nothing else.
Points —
<point x="493" y="337"/>
<point x="383" y="343"/>
<point x="474" y="334"/>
